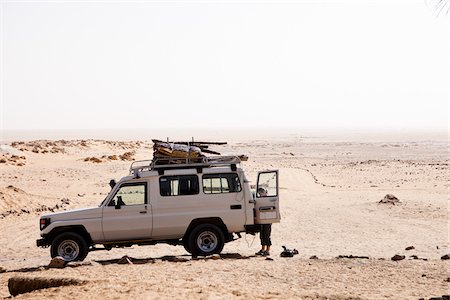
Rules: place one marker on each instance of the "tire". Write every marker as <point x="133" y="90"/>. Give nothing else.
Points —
<point x="70" y="246"/>
<point x="206" y="239"/>
<point x="186" y="246"/>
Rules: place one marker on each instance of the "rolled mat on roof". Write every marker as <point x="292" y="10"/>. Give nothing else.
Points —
<point x="176" y="150"/>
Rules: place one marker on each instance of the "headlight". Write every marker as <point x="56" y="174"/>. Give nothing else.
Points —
<point x="44" y="222"/>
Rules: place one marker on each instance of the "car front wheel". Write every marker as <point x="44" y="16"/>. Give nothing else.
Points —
<point x="70" y="246"/>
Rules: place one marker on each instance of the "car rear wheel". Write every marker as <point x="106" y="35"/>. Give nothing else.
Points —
<point x="206" y="239"/>
<point x="70" y="246"/>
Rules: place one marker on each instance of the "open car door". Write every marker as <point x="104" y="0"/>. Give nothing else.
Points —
<point x="267" y="209"/>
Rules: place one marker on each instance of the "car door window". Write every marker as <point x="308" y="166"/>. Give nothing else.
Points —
<point x="130" y="194"/>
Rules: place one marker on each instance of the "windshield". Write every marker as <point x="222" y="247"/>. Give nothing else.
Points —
<point x="104" y="200"/>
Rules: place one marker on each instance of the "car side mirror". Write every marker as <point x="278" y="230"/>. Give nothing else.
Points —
<point x="112" y="183"/>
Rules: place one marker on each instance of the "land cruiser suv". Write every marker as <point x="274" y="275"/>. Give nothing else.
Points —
<point x="197" y="204"/>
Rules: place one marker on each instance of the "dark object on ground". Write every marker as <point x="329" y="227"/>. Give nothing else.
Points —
<point x="125" y="260"/>
<point x="446" y="256"/>
<point x="314" y="257"/>
<point x="268" y="258"/>
<point x="397" y="257"/>
<point x="409" y="248"/>
<point x="21" y="285"/>
<point x="448" y="279"/>
<point x="390" y="199"/>
<point x="57" y="262"/>
<point x="288" y="252"/>
<point x="352" y="256"/>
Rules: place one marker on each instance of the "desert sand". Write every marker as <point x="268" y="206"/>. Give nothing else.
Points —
<point x="330" y="193"/>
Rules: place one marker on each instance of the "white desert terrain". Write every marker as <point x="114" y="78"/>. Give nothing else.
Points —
<point x="330" y="193"/>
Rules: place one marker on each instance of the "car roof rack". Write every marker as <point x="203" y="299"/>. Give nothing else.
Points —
<point x="167" y="163"/>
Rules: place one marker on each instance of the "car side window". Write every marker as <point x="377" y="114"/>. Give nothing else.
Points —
<point x="178" y="185"/>
<point x="221" y="183"/>
<point x="130" y="194"/>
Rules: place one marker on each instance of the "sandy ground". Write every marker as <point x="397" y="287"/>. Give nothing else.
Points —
<point x="330" y="189"/>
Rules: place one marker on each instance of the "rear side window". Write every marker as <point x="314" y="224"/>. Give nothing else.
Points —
<point x="178" y="185"/>
<point x="221" y="183"/>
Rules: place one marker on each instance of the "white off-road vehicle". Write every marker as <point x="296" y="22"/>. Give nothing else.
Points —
<point x="199" y="204"/>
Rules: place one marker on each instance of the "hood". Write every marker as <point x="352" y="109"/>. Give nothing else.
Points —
<point x="82" y="213"/>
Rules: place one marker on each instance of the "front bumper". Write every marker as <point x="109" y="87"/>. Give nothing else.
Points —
<point x="42" y="243"/>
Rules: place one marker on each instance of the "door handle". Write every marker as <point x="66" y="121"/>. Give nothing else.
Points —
<point x="143" y="212"/>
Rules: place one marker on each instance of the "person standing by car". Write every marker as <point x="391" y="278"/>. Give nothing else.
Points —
<point x="266" y="230"/>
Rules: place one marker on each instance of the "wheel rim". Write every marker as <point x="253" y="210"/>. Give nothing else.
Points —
<point x="207" y="241"/>
<point x="68" y="250"/>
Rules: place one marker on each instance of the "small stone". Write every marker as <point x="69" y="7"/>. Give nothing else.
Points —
<point x="390" y="199"/>
<point x="397" y="257"/>
<point x="268" y="258"/>
<point x="215" y="257"/>
<point x="81" y="195"/>
<point x="445" y="257"/>
<point x="448" y="279"/>
<point x="414" y="257"/>
<point x="125" y="260"/>
<point x="2" y="270"/>
<point x="424" y="275"/>
<point x="57" y="262"/>
<point x="409" y="248"/>
<point x="314" y="257"/>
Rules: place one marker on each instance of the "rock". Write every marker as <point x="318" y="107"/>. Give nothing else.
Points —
<point x="448" y="279"/>
<point x="2" y="270"/>
<point x="172" y="258"/>
<point x="95" y="160"/>
<point x="20" y="285"/>
<point x="397" y="257"/>
<point x="127" y="156"/>
<point x="353" y="256"/>
<point x="125" y="260"/>
<point x="445" y="257"/>
<point x="57" y="262"/>
<point x="233" y="256"/>
<point x="268" y="258"/>
<point x="389" y="199"/>
<point x="215" y="257"/>
<point x="414" y="257"/>
<point x="65" y="201"/>
<point x="81" y="195"/>
<point x="314" y="257"/>
<point x="410" y="248"/>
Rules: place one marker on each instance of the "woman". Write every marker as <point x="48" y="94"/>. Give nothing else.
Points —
<point x="266" y="230"/>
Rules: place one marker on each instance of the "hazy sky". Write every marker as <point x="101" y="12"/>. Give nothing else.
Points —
<point x="110" y="64"/>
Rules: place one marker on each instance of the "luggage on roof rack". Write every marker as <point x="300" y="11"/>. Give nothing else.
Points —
<point x="182" y="155"/>
<point x="164" y="163"/>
